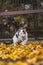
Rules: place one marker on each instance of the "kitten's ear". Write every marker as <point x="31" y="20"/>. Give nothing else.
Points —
<point x="24" y="29"/>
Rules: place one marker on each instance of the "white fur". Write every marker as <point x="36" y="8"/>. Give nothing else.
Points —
<point x="20" y="37"/>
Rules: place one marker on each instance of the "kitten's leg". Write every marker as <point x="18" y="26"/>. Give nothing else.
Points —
<point x="15" y="40"/>
<point x="25" y="41"/>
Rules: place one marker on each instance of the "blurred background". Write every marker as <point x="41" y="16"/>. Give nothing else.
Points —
<point x="10" y="23"/>
<point x="13" y="13"/>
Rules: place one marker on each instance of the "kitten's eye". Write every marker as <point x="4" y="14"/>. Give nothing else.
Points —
<point x="23" y="31"/>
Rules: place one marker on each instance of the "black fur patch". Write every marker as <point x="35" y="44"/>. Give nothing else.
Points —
<point x="24" y="32"/>
<point x="17" y="35"/>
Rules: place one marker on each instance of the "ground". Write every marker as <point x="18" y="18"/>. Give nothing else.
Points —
<point x="31" y="54"/>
